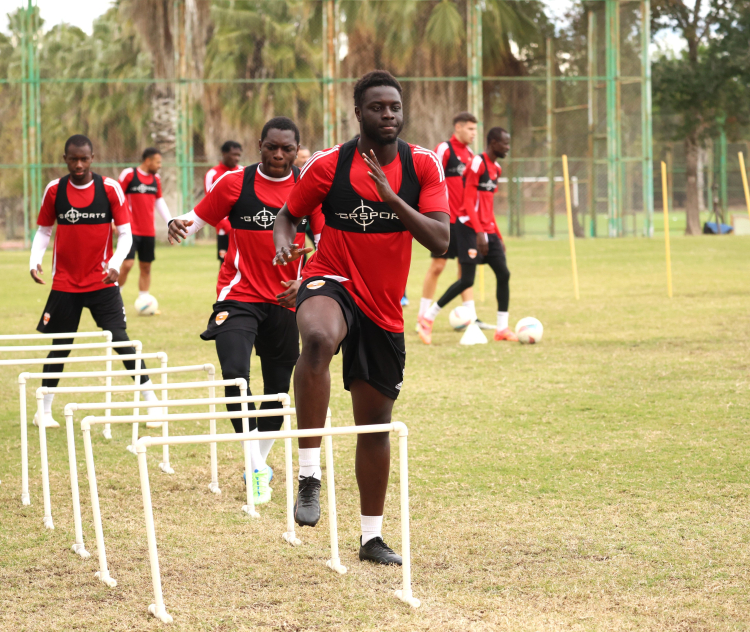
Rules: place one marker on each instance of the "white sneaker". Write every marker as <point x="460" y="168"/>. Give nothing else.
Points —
<point x="48" y="421"/>
<point x="155" y="411"/>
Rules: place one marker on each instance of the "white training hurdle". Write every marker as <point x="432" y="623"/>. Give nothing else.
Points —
<point x="60" y="336"/>
<point x="158" y="609"/>
<point x="107" y="359"/>
<point x="78" y="547"/>
<point x="103" y="573"/>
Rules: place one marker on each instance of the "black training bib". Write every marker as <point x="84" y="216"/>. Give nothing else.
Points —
<point x="485" y="182"/>
<point x="98" y="212"/>
<point x="454" y="167"/>
<point x="136" y="186"/>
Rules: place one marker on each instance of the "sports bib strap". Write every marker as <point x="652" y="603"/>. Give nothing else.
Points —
<point x="98" y="212"/>
<point x="455" y="168"/>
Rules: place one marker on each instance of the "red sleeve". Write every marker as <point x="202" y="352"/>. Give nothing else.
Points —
<point x="120" y="211"/>
<point x="158" y="186"/>
<point x="47" y="212"/>
<point x="471" y="191"/>
<point x="314" y="183"/>
<point x="433" y="196"/>
<point x="218" y="202"/>
<point x="317" y="221"/>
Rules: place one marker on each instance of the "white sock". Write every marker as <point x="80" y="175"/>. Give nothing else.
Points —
<point x="48" y="403"/>
<point x="309" y="463"/>
<point x="470" y="306"/>
<point x="257" y="462"/>
<point x="149" y="396"/>
<point x="502" y="320"/>
<point x="142" y="292"/>
<point x="431" y="314"/>
<point x="371" y="528"/>
<point x="424" y="305"/>
<point x="265" y="446"/>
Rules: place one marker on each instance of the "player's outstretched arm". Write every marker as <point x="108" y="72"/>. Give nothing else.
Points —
<point x="180" y="228"/>
<point x="284" y="232"/>
<point x="432" y="230"/>
<point x="38" y="248"/>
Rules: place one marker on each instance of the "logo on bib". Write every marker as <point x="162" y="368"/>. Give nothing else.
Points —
<point x="221" y="317"/>
<point x="46" y="317"/>
<point x="314" y="285"/>
<point x="264" y="218"/>
<point x="73" y="215"/>
<point x="365" y="215"/>
<point x="473" y="253"/>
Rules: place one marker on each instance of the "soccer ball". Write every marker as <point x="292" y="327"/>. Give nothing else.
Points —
<point x="146" y="305"/>
<point x="529" y="330"/>
<point x="460" y="318"/>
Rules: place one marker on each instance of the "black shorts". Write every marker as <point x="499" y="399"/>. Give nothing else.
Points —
<point x="371" y="353"/>
<point x="145" y="247"/>
<point x="451" y="252"/>
<point x="467" y="245"/>
<point x="222" y="245"/>
<point x="273" y="327"/>
<point x="63" y="310"/>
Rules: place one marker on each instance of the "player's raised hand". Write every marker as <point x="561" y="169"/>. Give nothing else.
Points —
<point x="111" y="276"/>
<point x="380" y="179"/>
<point x="37" y="274"/>
<point x="287" y="254"/>
<point x="178" y="230"/>
<point x="288" y="298"/>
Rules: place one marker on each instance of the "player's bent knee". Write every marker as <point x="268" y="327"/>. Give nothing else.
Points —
<point x="318" y="345"/>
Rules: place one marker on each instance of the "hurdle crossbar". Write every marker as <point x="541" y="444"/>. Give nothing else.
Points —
<point x="158" y="609"/>
<point x="59" y="336"/>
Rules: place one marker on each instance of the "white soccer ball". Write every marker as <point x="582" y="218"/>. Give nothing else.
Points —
<point x="460" y="318"/>
<point x="529" y="330"/>
<point x="146" y="305"/>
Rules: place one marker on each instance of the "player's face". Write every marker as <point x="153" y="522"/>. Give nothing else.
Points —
<point x="232" y="158"/>
<point x="466" y="132"/>
<point x="381" y="115"/>
<point x="303" y="155"/>
<point x="501" y="147"/>
<point x="153" y="164"/>
<point x="278" y="151"/>
<point x="79" y="161"/>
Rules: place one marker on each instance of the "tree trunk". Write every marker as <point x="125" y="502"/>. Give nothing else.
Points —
<point x="692" y="207"/>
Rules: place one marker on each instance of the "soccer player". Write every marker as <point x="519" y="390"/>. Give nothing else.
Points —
<point x="142" y="187"/>
<point x="255" y="304"/>
<point x="231" y="153"/>
<point x="303" y="155"/>
<point x="377" y="192"/>
<point x="478" y="239"/>
<point x="455" y="155"/>
<point x="84" y="268"/>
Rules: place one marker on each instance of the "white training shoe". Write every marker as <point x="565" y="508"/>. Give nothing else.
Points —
<point x="48" y="421"/>
<point x="155" y="411"/>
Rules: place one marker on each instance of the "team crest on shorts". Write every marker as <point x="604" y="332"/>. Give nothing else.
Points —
<point x="473" y="253"/>
<point x="46" y="317"/>
<point x="314" y="285"/>
<point x="221" y="317"/>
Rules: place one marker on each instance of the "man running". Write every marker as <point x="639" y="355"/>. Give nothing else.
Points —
<point x="455" y="155"/>
<point x="478" y="238"/>
<point x="84" y="269"/>
<point x="353" y="284"/>
<point x="142" y="187"/>
<point x="231" y="153"/>
<point x="255" y="304"/>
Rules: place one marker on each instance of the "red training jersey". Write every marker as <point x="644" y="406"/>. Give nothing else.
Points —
<point x="214" y="174"/>
<point x="454" y="165"/>
<point x="479" y="193"/>
<point x="248" y="273"/>
<point x="224" y="227"/>
<point x="372" y="266"/>
<point x="83" y="241"/>
<point x="141" y="199"/>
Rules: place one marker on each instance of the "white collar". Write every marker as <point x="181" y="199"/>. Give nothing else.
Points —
<point x="83" y="186"/>
<point x="263" y="175"/>
<point x="143" y="173"/>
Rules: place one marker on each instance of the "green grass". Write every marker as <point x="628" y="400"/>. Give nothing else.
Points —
<point x="596" y="481"/>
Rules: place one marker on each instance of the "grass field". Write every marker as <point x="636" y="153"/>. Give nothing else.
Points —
<point x="597" y="481"/>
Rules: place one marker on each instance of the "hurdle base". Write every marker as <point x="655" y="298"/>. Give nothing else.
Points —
<point x="162" y="614"/>
<point x="79" y="549"/>
<point x="48" y="522"/>
<point x="290" y="537"/>
<point x="106" y="578"/>
<point x="25" y="499"/>
<point x="131" y="449"/>
<point x="407" y="598"/>
<point x="107" y="433"/>
<point x="214" y="488"/>
<point x="335" y="565"/>
<point x="166" y="468"/>
<point x="250" y="512"/>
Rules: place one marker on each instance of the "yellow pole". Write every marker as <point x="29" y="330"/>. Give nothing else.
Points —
<point x="665" y="198"/>
<point x="571" y="235"/>
<point x="744" y="182"/>
<point x="481" y="283"/>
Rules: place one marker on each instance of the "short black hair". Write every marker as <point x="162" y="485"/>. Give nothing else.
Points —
<point x="150" y="151"/>
<point x="464" y="117"/>
<point x="282" y="123"/>
<point x="374" y="79"/>
<point x="496" y="133"/>
<point x="79" y="140"/>
<point x="229" y="146"/>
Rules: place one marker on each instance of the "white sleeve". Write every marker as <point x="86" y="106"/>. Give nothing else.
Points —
<point x="209" y="179"/>
<point x="197" y="224"/>
<point x="39" y="246"/>
<point x="124" y="244"/>
<point x="316" y="239"/>
<point x="163" y="209"/>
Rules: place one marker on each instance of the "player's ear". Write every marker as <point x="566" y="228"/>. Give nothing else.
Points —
<point x="260" y="145"/>
<point x="358" y="113"/>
